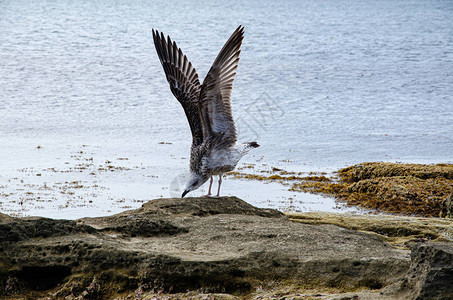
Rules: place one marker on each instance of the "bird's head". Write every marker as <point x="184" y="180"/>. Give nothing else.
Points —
<point x="194" y="182"/>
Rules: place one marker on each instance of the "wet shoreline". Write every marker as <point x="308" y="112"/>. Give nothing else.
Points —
<point x="88" y="180"/>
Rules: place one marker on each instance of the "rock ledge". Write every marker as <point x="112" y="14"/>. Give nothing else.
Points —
<point x="222" y="247"/>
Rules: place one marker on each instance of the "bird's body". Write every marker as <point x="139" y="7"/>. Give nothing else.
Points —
<point x="214" y="161"/>
<point x="207" y="107"/>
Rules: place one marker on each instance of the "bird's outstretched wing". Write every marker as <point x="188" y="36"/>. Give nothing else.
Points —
<point x="183" y="80"/>
<point x="215" y="106"/>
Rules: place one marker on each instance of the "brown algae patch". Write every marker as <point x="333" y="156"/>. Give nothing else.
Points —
<point x="400" y="194"/>
<point x="278" y="175"/>
<point x="371" y="170"/>
<point x="408" y="189"/>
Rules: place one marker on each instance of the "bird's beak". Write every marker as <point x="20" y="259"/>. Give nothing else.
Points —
<point x="184" y="193"/>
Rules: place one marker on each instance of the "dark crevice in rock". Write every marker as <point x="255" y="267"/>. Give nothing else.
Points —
<point x="41" y="278"/>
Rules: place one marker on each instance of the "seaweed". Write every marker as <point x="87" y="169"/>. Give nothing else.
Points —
<point x="407" y="189"/>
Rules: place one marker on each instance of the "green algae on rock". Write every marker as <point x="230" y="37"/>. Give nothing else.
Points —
<point x="399" y="231"/>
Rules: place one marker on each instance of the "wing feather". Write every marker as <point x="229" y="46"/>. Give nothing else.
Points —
<point x="215" y="94"/>
<point x="183" y="80"/>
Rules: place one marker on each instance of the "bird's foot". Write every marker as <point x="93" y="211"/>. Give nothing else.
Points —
<point x="207" y="196"/>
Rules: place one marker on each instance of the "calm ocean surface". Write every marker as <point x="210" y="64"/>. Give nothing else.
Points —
<point x="320" y="85"/>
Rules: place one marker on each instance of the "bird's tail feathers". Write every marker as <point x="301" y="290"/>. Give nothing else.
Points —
<point x="252" y="145"/>
<point x="246" y="147"/>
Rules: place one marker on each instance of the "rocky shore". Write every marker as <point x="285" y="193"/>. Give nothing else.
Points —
<point x="224" y="248"/>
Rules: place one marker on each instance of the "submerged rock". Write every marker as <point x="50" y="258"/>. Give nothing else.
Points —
<point x="201" y="245"/>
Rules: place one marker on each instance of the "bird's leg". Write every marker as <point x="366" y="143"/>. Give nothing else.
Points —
<point x="220" y="182"/>
<point x="210" y="184"/>
<point x="209" y="190"/>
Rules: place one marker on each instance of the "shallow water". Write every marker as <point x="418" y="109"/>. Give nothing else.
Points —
<point x="320" y="85"/>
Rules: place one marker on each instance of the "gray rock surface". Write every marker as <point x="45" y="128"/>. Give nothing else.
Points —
<point x="430" y="275"/>
<point x="210" y="245"/>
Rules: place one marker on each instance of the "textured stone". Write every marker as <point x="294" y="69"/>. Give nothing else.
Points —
<point x="209" y="245"/>
<point x="430" y="275"/>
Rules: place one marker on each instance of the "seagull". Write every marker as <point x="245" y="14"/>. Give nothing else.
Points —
<point x="214" y="150"/>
